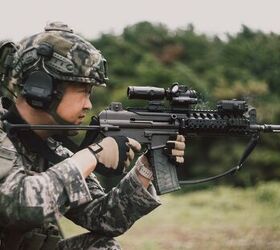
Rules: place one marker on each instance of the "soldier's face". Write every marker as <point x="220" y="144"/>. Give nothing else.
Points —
<point x="75" y="103"/>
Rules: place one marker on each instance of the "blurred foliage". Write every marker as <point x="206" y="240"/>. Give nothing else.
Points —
<point x="244" y="66"/>
<point x="219" y="218"/>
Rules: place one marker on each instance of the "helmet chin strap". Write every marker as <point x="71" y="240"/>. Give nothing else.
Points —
<point x="52" y="110"/>
<point x="59" y="120"/>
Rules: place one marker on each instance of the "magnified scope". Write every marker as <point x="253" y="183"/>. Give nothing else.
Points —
<point x="177" y="95"/>
<point x="145" y="93"/>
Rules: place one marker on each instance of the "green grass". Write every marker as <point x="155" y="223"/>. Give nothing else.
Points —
<point x="218" y="218"/>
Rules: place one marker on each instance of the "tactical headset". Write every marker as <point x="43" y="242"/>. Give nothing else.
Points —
<point x="39" y="88"/>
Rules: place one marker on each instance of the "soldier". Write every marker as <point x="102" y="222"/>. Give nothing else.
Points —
<point x="41" y="179"/>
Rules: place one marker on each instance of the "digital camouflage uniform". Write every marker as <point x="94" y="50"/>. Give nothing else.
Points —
<point x="34" y="194"/>
<point x="39" y="182"/>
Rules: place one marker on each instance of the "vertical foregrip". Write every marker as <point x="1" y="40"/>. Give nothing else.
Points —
<point x="165" y="175"/>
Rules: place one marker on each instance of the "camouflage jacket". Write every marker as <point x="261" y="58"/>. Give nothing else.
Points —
<point x="35" y="192"/>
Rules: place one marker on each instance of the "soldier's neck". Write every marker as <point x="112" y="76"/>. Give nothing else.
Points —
<point x="34" y="117"/>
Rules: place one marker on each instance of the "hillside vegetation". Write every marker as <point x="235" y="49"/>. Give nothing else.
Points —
<point x="218" y="218"/>
<point x="242" y="66"/>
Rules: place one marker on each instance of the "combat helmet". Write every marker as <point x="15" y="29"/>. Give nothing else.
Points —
<point x="45" y="60"/>
<point x="62" y="54"/>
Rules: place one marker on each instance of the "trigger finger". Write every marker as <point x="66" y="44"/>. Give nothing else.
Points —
<point x="180" y="138"/>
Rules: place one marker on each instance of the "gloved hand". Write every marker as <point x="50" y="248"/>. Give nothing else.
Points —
<point x="175" y="149"/>
<point x="114" y="154"/>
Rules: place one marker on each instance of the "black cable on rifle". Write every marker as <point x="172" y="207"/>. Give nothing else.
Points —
<point x="250" y="147"/>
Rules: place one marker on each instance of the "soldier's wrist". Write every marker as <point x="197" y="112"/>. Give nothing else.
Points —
<point x="143" y="168"/>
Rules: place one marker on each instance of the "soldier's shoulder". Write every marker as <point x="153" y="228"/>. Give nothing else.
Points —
<point x="7" y="148"/>
<point x="4" y="140"/>
<point x="8" y="154"/>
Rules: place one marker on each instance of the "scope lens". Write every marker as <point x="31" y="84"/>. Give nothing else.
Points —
<point x="175" y="88"/>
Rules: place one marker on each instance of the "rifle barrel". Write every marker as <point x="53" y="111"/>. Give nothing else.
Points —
<point x="267" y="128"/>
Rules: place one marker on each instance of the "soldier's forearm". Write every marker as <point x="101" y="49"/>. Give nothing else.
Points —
<point x="86" y="162"/>
<point x="32" y="198"/>
<point x="113" y="213"/>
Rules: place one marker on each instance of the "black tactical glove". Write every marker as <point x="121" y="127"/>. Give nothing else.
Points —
<point x="114" y="154"/>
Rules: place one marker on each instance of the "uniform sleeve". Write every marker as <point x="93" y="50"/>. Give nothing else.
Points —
<point x="113" y="213"/>
<point x="35" y="198"/>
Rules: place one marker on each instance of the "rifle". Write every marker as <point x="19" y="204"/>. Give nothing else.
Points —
<point x="153" y="125"/>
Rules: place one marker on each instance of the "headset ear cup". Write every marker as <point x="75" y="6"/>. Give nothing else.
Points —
<point x="38" y="89"/>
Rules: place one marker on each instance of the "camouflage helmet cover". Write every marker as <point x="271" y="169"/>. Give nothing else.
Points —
<point x="62" y="54"/>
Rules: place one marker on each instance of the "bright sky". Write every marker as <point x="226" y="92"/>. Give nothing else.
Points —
<point x="92" y="17"/>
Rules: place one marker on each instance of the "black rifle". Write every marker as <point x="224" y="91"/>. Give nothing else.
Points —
<point x="153" y="125"/>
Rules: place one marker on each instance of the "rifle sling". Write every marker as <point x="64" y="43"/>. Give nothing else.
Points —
<point x="250" y="147"/>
